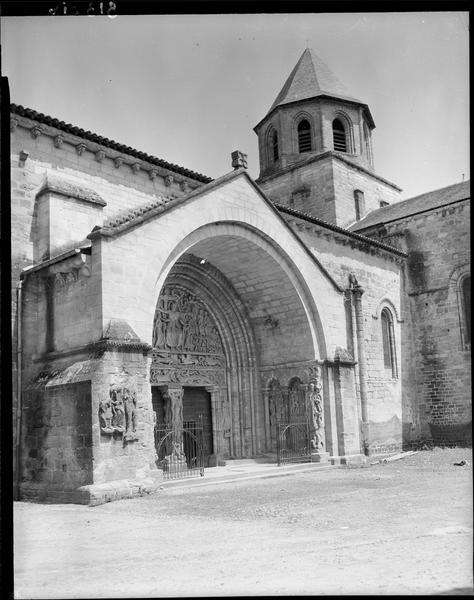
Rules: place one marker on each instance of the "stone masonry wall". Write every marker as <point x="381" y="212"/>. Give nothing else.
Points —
<point x="347" y="179"/>
<point x="438" y="357"/>
<point x="381" y="279"/>
<point x="121" y="187"/>
<point x="57" y="442"/>
<point x="325" y="189"/>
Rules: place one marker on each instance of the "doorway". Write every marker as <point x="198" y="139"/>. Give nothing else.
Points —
<point x="197" y="411"/>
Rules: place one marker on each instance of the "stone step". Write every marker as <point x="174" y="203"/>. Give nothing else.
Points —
<point x="242" y="472"/>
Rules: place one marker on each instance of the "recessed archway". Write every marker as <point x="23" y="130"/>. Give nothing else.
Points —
<point x="260" y="309"/>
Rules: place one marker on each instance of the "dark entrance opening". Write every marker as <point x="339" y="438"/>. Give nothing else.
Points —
<point x="197" y="409"/>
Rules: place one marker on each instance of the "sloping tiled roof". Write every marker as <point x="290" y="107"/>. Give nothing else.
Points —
<point x="137" y="214"/>
<point x="310" y="77"/>
<point x="357" y="236"/>
<point x="412" y="206"/>
<point x="93" y="137"/>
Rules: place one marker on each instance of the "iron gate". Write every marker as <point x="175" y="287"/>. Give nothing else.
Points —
<point x="293" y="442"/>
<point x="180" y="451"/>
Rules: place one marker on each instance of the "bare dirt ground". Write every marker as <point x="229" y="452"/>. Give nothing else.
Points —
<point x="398" y="528"/>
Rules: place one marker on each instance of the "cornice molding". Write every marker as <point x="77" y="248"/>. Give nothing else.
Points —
<point x="102" y="152"/>
<point x="304" y="223"/>
<point x="324" y="155"/>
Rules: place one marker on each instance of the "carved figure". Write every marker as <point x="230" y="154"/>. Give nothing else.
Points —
<point x="105" y="417"/>
<point x="316" y="408"/>
<point x="118" y="416"/>
<point x="130" y="409"/>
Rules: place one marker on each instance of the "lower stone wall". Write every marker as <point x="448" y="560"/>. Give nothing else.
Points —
<point x="57" y="441"/>
<point x="451" y="434"/>
<point x="384" y="437"/>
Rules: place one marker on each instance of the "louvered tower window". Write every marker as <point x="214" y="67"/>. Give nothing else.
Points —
<point x="339" y="136"/>
<point x="275" y="152"/>
<point x="304" y="136"/>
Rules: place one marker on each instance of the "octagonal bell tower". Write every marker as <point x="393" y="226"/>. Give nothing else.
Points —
<point x="315" y="148"/>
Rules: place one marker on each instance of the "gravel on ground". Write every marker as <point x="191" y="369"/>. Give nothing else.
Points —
<point x="403" y="527"/>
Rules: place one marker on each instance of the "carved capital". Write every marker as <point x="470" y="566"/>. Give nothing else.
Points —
<point x="118" y="162"/>
<point x="99" y="155"/>
<point x="168" y="180"/>
<point x="58" y="141"/>
<point x="36" y="131"/>
<point x="80" y="148"/>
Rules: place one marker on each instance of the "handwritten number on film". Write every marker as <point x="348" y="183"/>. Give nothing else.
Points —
<point x="94" y="8"/>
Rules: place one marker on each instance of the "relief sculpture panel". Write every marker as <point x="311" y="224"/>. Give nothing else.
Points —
<point x="187" y="347"/>
<point x="118" y="413"/>
<point x="183" y="323"/>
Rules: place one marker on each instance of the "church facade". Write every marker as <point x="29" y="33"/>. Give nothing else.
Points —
<point x="147" y="293"/>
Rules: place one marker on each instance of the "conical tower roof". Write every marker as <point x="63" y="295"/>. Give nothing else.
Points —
<point x="311" y="77"/>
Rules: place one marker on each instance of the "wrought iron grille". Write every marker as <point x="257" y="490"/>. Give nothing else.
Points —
<point x="180" y="451"/>
<point x="293" y="442"/>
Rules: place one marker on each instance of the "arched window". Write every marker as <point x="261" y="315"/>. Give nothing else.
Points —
<point x="274" y="142"/>
<point x="339" y="136"/>
<point x="388" y="342"/>
<point x="466" y="307"/>
<point x="304" y="136"/>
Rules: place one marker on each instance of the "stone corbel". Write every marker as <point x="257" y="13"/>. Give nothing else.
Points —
<point x="153" y="174"/>
<point x="118" y="162"/>
<point x="80" y="148"/>
<point x="183" y="186"/>
<point x="168" y="180"/>
<point x="136" y="168"/>
<point x="36" y="131"/>
<point x="99" y="155"/>
<point x="13" y="124"/>
<point x="58" y="141"/>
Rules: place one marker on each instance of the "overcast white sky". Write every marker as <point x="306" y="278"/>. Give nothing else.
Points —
<point x="189" y="89"/>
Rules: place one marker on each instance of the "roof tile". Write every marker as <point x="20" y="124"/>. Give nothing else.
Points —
<point x="417" y="204"/>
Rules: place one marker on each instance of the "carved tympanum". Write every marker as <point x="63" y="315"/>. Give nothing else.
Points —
<point x="183" y="323"/>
